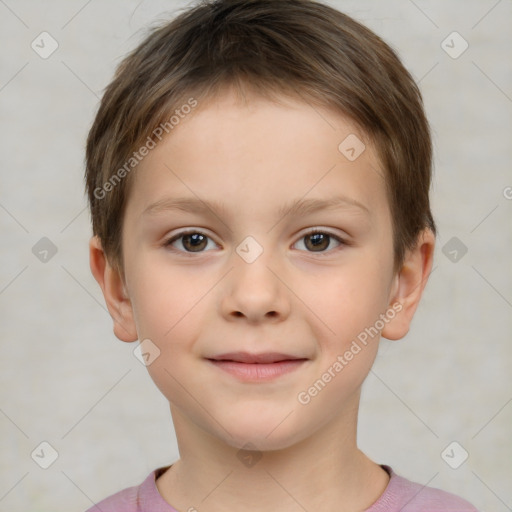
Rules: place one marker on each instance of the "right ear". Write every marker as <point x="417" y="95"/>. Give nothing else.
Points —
<point x="114" y="291"/>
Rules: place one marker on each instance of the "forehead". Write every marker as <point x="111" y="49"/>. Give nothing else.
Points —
<point x="256" y="153"/>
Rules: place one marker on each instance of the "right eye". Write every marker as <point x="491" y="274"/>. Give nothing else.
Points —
<point x="191" y="241"/>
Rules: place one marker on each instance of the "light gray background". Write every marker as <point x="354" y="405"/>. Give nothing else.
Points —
<point x="65" y="379"/>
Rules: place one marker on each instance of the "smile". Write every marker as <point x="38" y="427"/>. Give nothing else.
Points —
<point x="258" y="371"/>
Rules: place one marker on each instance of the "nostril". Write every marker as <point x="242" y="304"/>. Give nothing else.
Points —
<point x="272" y="314"/>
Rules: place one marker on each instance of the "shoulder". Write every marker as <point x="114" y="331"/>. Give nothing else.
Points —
<point x="135" y="499"/>
<point x="406" y="496"/>
<point x="125" y="500"/>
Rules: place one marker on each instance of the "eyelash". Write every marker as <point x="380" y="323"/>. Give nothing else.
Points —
<point x="168" y="243"/>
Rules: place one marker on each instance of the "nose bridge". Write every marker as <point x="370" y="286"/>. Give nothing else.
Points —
<point x="254" y="291"/>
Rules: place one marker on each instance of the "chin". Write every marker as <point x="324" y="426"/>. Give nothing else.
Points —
<point x="255" y="434"/>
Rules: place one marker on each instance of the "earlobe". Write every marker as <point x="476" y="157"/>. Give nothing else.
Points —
<point x="114" y="292"/>
<point x="409" y="284"/>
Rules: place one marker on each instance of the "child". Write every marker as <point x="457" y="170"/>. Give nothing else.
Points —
<point x="258" y="175"/>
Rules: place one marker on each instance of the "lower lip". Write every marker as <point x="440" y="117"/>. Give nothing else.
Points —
<point x="258" y="371"/>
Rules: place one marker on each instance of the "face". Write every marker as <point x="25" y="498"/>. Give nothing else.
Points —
<point x="248" y="233"/>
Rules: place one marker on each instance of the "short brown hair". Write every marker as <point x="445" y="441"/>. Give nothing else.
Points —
<point x="301" y="48"/>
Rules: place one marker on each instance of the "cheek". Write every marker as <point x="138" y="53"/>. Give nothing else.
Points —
<point x="162" y="310"/>
<point x="350" y="300"/>
<point x="171" y="317"/>
<point x="162" y="294"/>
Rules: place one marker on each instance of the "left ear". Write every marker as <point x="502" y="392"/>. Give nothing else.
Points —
<point x="409" y="284"/>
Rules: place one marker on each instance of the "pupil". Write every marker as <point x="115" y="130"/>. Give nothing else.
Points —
<point x="318" y="241"/>
<point x="194" y="242"/>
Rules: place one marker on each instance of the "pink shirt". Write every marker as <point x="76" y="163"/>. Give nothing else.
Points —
<point x="400" y="495"/>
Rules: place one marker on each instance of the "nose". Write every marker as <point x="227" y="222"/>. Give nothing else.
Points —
<point x="254" y="292"/>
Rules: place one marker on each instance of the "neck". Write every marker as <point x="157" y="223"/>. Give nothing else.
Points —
<point x="325" y="471"/>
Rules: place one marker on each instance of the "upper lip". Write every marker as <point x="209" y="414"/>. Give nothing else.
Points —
<point x="246" y="357"/>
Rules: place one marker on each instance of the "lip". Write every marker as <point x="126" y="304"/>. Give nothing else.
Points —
<point x="247" y="357"/>
<point x="257" y="367"/>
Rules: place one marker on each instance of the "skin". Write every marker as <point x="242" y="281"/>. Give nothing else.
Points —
<point x="251" y="158"/>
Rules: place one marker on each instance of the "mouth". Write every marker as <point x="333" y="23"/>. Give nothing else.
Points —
<point x="263" y="358"/>
<point x="257" y="367"/>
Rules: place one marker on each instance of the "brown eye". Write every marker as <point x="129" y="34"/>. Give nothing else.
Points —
<point x="318" y="241"/>
<point x="195" y="242"/>
<point x="191" y="242"/>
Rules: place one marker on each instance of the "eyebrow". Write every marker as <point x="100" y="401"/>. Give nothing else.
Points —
<point x="298" y="207"/>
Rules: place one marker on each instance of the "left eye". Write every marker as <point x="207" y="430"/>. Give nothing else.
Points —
<point x="318" y="241"/>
